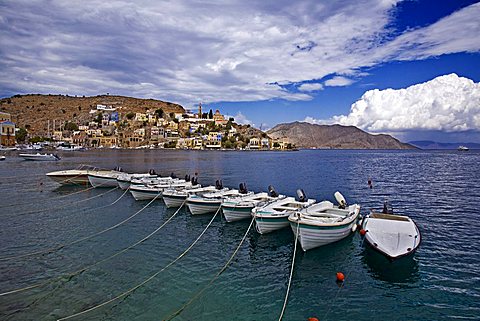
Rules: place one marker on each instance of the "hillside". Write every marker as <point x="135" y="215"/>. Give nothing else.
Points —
<point x="305" y="135"/>
<point x="34" y="111"/>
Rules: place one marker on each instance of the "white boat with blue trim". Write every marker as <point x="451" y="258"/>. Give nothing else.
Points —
<point x="324" y="223"/>
<point x="240" y="207"/>
<point x="125" y="179"/>
<point x="175" y="197"/>
<point x="149" y="192"/>
<point x="209" y="202"/>
<point x="274" y="216"/>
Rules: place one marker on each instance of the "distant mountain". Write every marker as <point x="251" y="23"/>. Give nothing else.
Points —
<point x="428" y="144"/>
<point x="306" y="135"/>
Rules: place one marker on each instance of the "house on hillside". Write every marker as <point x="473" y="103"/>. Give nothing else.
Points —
<point x="7" y="130"/>
<point x="254" y="143"/>
<point x="219" y="119"/>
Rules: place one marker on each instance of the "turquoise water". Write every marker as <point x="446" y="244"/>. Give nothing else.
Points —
<point x="438" y="189"/>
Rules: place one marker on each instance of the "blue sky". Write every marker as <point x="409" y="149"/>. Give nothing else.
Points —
<point x="263" y="62"/>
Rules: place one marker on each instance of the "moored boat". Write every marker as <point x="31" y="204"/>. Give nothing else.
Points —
<point x="103" y="178"/>
<point x="209" y="202"/>
<point x="392" y="235"/>
<point x="40" y="157"/>
<point x="240" y="207"/>
<point x="324" y="223"/>
<point x="2" y="158"/>
<point x="149" y="192"/>
<point x="125" y="179"/>
<point x="463" y="148"/>
<point x="71" y="176"/>
<point x="175" y="197"/>
<point x="274" y="216"/>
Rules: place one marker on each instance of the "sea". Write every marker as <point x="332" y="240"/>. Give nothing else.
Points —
<point x="58" y="264"/>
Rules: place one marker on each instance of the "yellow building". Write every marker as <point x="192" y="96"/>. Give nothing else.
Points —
<point x="7" y="130"/>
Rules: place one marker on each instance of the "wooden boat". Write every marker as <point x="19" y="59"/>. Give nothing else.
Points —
<point x="175" y="197"/>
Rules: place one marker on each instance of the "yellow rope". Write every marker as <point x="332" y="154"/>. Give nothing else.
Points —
<point x="69" y="275"/>
<point x="146" y="280"/>
<point x="199" y="293"/>
<point x="82" y="239"/>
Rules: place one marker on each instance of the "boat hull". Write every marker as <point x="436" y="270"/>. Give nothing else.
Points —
<point x="80" y="179"/>
<point x="236" y="213"/>
<point x="98" y="181"/>
<point x="392" y="238"/>
<point x="202" y="207"/>
<point x="39" y="157"/>
<point x="265" y="225"/>
<point x="174" y="201"/>
<point x="139" y="195"/>
<point x="312" y="236"/>
<point x="123" y="184"/>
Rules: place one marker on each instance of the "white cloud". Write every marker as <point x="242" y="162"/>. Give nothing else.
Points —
<point x="338" y="81"/>
<point x="242" y="120"/>
<point x="310" y="87"/>
<point x="447" y="103"/>
<point x="189" y="51"/>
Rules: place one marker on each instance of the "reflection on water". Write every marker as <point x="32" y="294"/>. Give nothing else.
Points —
<point x="402" y="270"/>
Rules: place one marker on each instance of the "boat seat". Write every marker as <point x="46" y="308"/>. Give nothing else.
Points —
<point x="389" y="217"/>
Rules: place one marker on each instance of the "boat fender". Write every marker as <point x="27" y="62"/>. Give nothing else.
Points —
<point x="301" y="195"/>
<point x="354" y="228"/>
<point x="342" y="203"/>
<point x="363" y="232"/>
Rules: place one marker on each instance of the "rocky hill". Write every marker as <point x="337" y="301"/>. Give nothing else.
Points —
<point x="305" y="135"/>
<point x="34" y="111"/>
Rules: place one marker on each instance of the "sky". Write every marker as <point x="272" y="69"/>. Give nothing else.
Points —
<point x="406" y="68"/>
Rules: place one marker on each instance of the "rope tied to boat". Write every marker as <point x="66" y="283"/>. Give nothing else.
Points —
<point x="291" y="272"/>
<point x="61" y="246"/>
<point x="199" y="293"/>
<point x="79" y="271"/>
<point x="146" y="280"/>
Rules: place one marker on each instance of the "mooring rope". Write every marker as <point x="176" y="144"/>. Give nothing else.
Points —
<point x="88" y="267"/>
<point x="66" y="203"/>
<point x="52" y="198"/>
<point x="291" y="273"/>
<point x="61" y="246"/>
<point x="199" y="293"/>
<point x="146" y="280"/>
<point x="89" y="209"/>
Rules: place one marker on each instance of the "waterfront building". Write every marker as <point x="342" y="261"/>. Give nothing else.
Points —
<point x="254" y="143"/>
<point x="7" y="130"/>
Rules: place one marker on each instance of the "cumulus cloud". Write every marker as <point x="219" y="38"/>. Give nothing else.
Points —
<point x="310" y="87"/>
<point x="338" y="81"/>
<point x="186" y="51"/>
<point x="242" y="120"/>
<point x="447" y="103"/>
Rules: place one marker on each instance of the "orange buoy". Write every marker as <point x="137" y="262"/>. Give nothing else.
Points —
<point x="312" y="319"/>
<point x="340" y="277"/>
<point x="363" y="232"/>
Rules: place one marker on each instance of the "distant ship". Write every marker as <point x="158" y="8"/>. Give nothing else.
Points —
<point x="462" y="148"/>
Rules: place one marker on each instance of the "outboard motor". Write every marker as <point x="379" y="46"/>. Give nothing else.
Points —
<point x="218" y="184"/>
<point x="387" y="208"/>
<point x="172" y="175"/>
<point x="152" y="172"/>
<point x="272" y="192"/>
<point x="342" y="203"/>
<point x="187" y="178"/>
<point x="301" y="195"/>
<point x="242" y="188"/>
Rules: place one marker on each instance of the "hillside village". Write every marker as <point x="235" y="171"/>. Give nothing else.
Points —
<point x="123" y="122"/>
